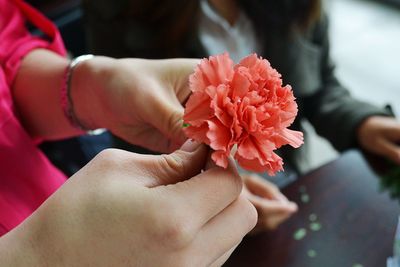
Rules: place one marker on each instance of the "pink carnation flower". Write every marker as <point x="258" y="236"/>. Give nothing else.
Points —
<point x="244" y="105"/>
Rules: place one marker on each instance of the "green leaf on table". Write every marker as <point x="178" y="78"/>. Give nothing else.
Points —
<point x="315" y="226"/>
<point x="311" y="253"/>
<point x="300" y="234"/>
<point x="302" y="189"/>
<point x="313" y="217"/>
<point x="305" y="198"/>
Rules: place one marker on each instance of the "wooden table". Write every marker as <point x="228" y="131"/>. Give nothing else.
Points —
<point x="358" y="221"/>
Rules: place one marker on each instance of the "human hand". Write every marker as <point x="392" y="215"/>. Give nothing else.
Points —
<point x="138" y="100"/>
<point x="126" y="209"/>
<point x="381" y="135"/>
<point x="272" y="206"/>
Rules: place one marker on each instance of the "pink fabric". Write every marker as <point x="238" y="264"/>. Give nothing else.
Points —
<point x="27" y="178"/>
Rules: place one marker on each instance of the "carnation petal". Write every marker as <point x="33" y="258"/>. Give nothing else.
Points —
<point x="236" y="131"/>
<point x="291" y="137"/>
<point x="218" y="135"/>
<point x="244" y="105"/>
<point x="251" y="119"/>
<point x="220" y="158"/>
<point x="213" y="71"/>
<point x="248" y="149"/>
<point x="198" y="133"/>
<point x="197" y="109"/>
<point x="249" y="61"/>
<point x="256" y="147"/>
<point x="255" y="165"/>
<point x="221" y="105"/>
<point x="240" y="85"/>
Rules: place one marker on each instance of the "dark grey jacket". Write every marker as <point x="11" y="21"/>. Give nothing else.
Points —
<point x="302" y="59"/>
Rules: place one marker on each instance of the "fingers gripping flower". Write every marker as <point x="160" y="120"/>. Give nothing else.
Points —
<point x="244" y="105"/>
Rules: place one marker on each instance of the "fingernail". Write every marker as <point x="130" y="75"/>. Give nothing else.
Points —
<point x="190" y="145"/>
<point x="282" y="198"/>
<point x="293" y="206"/>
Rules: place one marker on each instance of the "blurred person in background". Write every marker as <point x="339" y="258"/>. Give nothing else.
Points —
<point x="292" y="35"/>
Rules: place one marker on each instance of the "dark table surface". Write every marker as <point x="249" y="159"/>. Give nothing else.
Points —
<point x="358" y="221"/>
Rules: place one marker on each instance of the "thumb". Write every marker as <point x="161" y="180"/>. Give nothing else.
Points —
<point x="181" y="165"/>
<point x="171" y="124"/>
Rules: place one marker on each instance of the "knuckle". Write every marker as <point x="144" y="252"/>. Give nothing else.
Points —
<point x="229" y="178"/>
<point x="174" y="123"/>
<point x="234" y="180"/>
<point x="176" y="233"/>
<point x="107" y="157"/>
<point x="274" y="188"/>
<point x="230" y="181"/>
<point x="173" y="162"/>
<point x="106" y="154"/>
<point x="172" y="229"/>
<point x="249" y="212"/>
<point x="179" y="236"/>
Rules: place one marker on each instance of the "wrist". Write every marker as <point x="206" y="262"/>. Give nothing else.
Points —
<point x="88" y="77"/>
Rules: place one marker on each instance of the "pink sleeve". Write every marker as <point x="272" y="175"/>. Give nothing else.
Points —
<point x="15" y="39"/>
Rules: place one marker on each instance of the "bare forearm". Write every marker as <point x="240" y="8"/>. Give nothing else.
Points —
<point x="130" y="97"/>
<point x="36" y="93"/>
